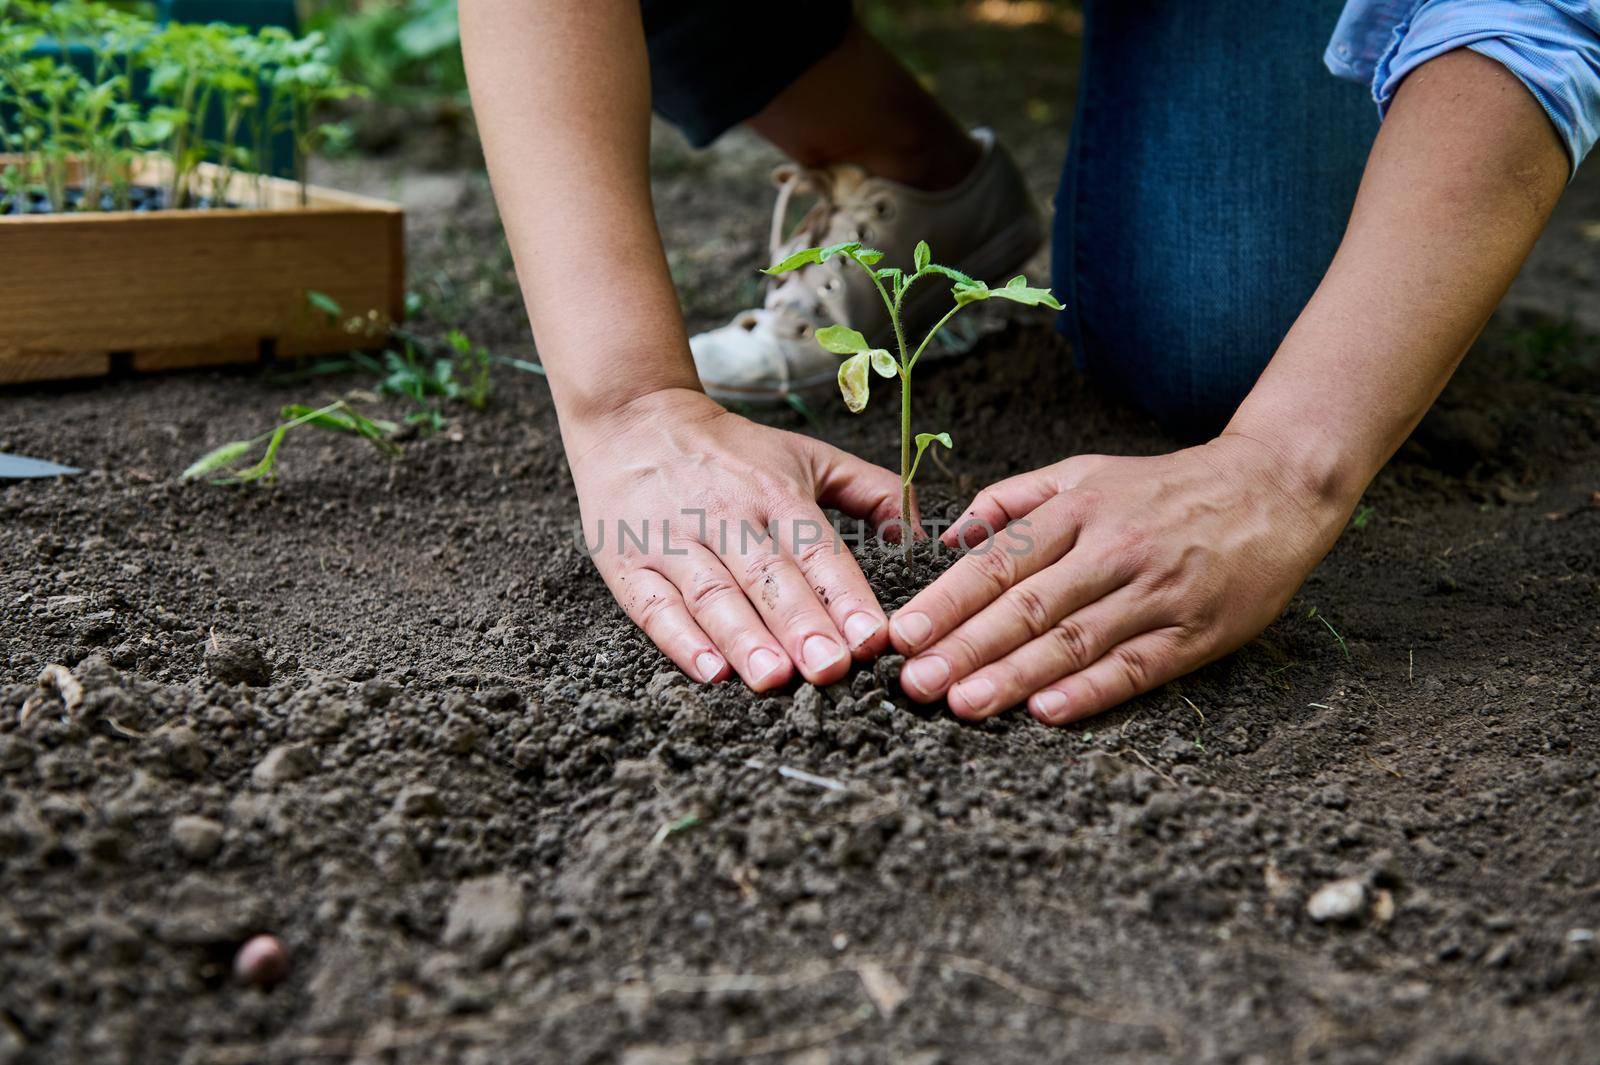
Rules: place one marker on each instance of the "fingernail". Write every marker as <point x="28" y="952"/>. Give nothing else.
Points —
<point x="819" y="653"/>
<point x="707" y="665"/>
<point x="861" y="627"/>
<point x="927" y="675"/>
<point x="764" y="663"/>
<point x="912" y="628"/>
<point x="1050" y="705"/>
<point x="977" y="693"/>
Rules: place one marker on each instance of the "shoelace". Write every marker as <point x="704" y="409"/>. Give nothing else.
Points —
<point x="792" y="179"/>
<point x="814" y="227"/>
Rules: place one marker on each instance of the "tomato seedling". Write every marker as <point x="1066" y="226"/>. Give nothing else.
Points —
<point x="862" y="359"/>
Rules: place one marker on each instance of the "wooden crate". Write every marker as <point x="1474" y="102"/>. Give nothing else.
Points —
<point x="168" y="289"/>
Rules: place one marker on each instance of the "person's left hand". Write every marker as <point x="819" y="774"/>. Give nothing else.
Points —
<point x="1125" y="573"/>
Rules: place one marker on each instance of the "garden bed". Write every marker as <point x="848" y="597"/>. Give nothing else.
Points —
<point x="82" y="292"/>
<point x="485" y="816"/>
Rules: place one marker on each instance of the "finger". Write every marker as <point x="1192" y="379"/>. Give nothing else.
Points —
<point x="715" y="601"/>
<point x="1070" y="645"/>
<point x="779" y="592"/>
<point x="833" y="575"/>
<point x="1131" y="668"/>
<point x="657" y="608"/>
<point x="863" y="490"/>
<point x="1024" y="548"/>
<point x="1036" y="608"/>
<point x="998" y="506"/>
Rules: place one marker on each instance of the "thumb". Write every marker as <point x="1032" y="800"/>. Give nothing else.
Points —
<point x="998" y="506"/>
<point x="861" y="490"/>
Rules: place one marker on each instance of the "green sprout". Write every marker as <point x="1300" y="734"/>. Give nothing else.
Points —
<point x="338" y="417"/>
<point x="862" y="359"/>
<point x="81" y="132"/>
<point x="424" y="373"/>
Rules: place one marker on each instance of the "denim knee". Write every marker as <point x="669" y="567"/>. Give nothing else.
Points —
<point x="1205" y="192"/>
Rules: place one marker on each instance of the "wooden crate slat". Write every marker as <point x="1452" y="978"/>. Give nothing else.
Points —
<point x="190" y="288"/>
<point x="20" y="367"/>
<point x="183" y="357"/>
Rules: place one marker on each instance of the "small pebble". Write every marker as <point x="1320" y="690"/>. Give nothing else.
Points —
<point x="197" y="838"/>
<point x="1342" y="900"/>
<point x="236" y="661"/>
<point x="261" y="962"/>
<point x="180" y="747"/>
<point x="419" y="800"/>
<point x="283" y="764"/>
<point x="805" y="713"/>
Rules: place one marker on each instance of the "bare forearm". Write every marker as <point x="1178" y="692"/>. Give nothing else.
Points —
<point x="1461" y="181"/>
<point x="562" y="97"/>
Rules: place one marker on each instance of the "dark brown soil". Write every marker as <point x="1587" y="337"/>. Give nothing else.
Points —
<point x="386" y="712"/>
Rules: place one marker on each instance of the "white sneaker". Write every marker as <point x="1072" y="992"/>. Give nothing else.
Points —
<point x="987" y="226"/>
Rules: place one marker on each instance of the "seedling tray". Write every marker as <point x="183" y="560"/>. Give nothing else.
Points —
<point x="81" y="293"/>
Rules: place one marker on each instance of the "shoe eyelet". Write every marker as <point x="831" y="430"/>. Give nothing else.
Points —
<point x="884" y="209"/>
<point x="831" y="285"/>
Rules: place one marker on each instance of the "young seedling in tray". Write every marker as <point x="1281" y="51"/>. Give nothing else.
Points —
<point x="862" y="359"/>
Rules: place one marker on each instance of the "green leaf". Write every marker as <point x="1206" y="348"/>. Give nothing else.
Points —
<point x="324" y="303"/>
<point x="884" y="363"/>
<point x="804" y="257"/>
<point x="807" y="256"/>
<point x="1017" y="291"/>
<point x="345" y="420"/>
<point x="218" y="458"/>
<point x="895" y="276"/>
<point x="970" y="292"/>
<point x="337" y="420"/>
<point x="866" y="256"/>
<point x="921" y="256"/>
<point x="841" y="340"/>
<point x="923" y="440"/>
<point x="267" y="468"/>
<point x="854" y="382"/>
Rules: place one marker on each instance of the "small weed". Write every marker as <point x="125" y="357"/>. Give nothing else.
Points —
<point x="413" y="369"/>
<point x="671" y="828"/>
<point x="339" y="417"/>
<point x="1342" y="645"/>
<point x="802" y="408"/>
<point x="1363" y="516"/>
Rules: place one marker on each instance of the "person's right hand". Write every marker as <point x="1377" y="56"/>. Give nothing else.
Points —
<point x="714" y="592"/>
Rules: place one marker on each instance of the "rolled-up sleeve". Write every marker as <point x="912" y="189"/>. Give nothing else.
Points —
<point x="1551" y="46"/>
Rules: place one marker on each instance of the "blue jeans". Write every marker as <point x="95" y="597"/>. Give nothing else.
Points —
<point x="1213" y="165"/>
